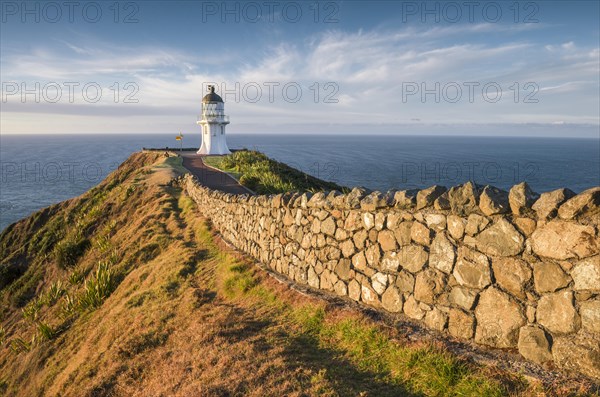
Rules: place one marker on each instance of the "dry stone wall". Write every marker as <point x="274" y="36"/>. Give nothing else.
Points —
<point x="511" y="270"/>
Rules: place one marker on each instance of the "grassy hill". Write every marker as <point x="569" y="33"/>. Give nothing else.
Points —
<point x="127" y="291"/>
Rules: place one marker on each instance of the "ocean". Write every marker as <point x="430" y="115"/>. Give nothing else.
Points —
<point x="39" y="170"/>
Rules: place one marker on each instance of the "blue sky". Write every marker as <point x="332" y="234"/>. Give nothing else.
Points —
<point x="359" y="66"/>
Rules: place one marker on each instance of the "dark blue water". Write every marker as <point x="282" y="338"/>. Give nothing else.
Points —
<point x="40" y="170"/>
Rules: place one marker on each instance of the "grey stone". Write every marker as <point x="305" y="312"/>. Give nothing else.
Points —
<point x="373" y="255"/>
<point x="557" y="313"/>
<point x="512" y="274"/>
<point x="493" y="201"/>
<point x="564" y="240"/>
<point x="472" y="269"/>
<point x="500" y="239"/>
<point x="379" y="282"/>
<point x="499" y="319"/>
<point x="328" y="226"/>
<point x="460" y="324"/>
<point x="475" y="224"/>
<point x="340" y="288"/>
<point x="464" y="199"/>
<point x="369" y="296"/>
<point x="420" y="234"/>
<point x="456" y="226"/>
<point x="392" y="300"/>
<point x="412" y="309"/>
<point x="521" y="198"/>
<point x="347" y="248"/>
<point x="436" y="222"/>
<point x="586" y="203"/>
<point x="426" y="197"/>
<point x="549" y="277"/>
<point x="405" y="199"/>
<point x="402" y="233"/>
<point x="387" y="241"/>
<point x="442" y="254"/>
<point x="428" y="285"/>
<point x="547" y="205"/>
<point x="590" y="315"/>
<point x="525" y="225"/>
<point x="413" y="258"/>
<point x="354" y="290"/>
<point x="463" y="297"/>
<point x="436" y="319"/>
<point x="390" y="261"/>
<point x="586" y="274"/>
<point x="405" y="282"/>
<point x="359" y="239"/>
<point x="534" y="344"/>
<point x="368" y="220"/>
<point x="342" y="269"/>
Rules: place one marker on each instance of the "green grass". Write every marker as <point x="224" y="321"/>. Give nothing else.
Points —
<point x="97" y="288"/>
<point x="423" y="370"/>
<point x="68" y="252"/>
<point x="266" y="176"/>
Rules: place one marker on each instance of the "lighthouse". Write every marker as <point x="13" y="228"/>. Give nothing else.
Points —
<point x="213" y="121"/>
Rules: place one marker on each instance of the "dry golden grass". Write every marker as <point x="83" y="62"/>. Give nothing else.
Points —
<point x="191" y="317"/>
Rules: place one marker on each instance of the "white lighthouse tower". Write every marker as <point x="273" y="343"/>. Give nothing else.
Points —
<point x="213" y="121"/>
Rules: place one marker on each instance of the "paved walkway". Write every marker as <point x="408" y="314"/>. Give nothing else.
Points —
<point x="211" y="177"/>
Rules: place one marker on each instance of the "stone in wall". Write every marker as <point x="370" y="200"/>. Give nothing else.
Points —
<point x="463" y="297"/>
<point x="420" y="234"/>
<point x="493" y="201"/>
<point x="442" y="254"/>
<point x="414" y="258"/>
<point x="534" y="344"/>
<point x="586" y="274"/>
<point x="406" y="199"/>
<point x="512" y="274"/>
<point x="586" y="203"/>
<point x="557" y="312"/>
<point x="547" y="205"/>
<point x="460" y="324"/>
<point x="392" y="300"/>
<point x="456" y="226"/>
<point x="426" y="197"/>
<point x="500" y="239"/>
<point x="472" y="269"/>
<point x="521" y="198"/>
<point x="412" y="309"/>
<point x="464" y="199"/>
<point x="499" y="319"/>
<point x="549" y="277"/>
<point x="436" y="319"/>
<point x="428" y="285"/>
<point x="590" y="315"/>
<point x="564" y="240"/>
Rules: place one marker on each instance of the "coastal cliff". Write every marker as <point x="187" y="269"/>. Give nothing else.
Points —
<point x="131" y="289"/>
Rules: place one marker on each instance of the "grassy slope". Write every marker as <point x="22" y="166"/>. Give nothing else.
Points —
<point x="266" y="176"/>
<point x="185" y="315"/>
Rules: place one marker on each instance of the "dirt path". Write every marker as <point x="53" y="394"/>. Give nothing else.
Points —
<point x="211" y="177"/>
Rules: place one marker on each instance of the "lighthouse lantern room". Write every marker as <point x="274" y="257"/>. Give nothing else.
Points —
<point x="213" y="121"/>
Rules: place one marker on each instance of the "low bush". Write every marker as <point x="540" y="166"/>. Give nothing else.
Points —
<point x="68" y="252"/>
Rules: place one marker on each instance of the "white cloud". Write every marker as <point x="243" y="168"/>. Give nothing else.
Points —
<point x="369" y="67"/>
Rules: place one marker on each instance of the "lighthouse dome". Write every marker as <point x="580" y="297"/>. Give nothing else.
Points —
<point x="211" y="96"/>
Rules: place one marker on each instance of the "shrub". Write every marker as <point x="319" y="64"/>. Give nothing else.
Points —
<point x="54" y="293"/>
<point x="97" y="288"/>
<point x="45" y="332"/>
<point x="9" y="273"/>
<point x="67" y="253"/>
